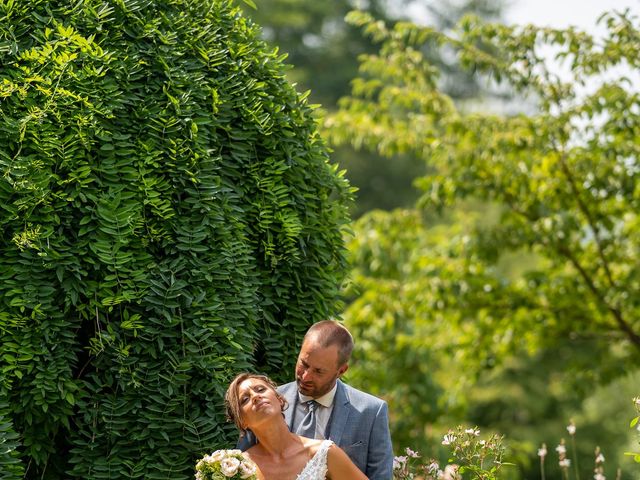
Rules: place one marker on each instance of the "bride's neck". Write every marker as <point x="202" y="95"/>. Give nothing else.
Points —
<point x="274" y="437"/>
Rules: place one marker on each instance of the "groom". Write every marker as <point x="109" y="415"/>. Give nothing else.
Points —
<point x="322" y="406"/>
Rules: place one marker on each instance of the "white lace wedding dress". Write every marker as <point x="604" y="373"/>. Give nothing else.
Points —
<point x="316" y="468"/>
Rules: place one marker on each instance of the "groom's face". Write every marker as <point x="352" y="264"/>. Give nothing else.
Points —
<point x="317" y="368"/>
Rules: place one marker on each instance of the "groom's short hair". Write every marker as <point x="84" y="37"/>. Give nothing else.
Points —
<point x="330" y="332"/>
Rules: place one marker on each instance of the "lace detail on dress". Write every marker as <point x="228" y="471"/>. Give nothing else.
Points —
<point x="316" y="468"/>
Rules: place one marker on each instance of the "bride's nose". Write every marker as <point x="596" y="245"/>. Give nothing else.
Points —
<point x="255" y="396"/>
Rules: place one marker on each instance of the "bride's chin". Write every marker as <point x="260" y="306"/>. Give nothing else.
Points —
<point x="262" y="406"/>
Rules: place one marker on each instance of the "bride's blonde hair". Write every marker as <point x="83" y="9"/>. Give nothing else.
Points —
<point x="232" y="399"/>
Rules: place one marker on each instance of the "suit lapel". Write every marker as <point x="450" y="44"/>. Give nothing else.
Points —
<point x="340" y="415"/>
<point x="291" y="396"/>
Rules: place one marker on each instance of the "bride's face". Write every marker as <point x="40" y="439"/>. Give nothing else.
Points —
<point x="257" y="400"/>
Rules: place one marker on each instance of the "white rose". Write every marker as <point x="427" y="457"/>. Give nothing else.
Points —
<point x="216" y="456"/>
<point x="247" y="469"/>
<point x="229" y="466"/>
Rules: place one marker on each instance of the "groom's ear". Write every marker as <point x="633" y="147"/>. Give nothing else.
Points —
<point x="343" y="369"/>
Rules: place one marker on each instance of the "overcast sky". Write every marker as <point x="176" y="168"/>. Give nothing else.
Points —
<point x="562" y="13"/>
<point x="579" y="13"/>
<point x="552" y="13"/>
<point x="582" y="14"/>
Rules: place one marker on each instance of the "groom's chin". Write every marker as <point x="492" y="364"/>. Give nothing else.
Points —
<point x="305" y="390"/>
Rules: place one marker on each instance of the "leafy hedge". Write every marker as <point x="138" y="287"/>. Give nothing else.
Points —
<point x="169" y="217"/>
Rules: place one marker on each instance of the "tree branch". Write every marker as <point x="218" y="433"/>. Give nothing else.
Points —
<point x="565" y="252"/>
<point x="617" y="314"/>
<point x="590" y="220"/>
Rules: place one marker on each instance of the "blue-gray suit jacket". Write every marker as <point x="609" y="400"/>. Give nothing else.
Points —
<point x="359" y="424"/>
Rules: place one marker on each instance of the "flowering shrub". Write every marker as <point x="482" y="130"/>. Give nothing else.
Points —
<point x="406" y="467"/>
<point x="225" y="465"/>
<point x="635" y="422"/>
<point x="481" y="457"/>
<point x="565" y="462"/>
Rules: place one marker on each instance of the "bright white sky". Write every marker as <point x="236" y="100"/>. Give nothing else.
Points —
<point x="548" y="13"/>
<point x="562" y="13"/>
<point x="582" y="14"/>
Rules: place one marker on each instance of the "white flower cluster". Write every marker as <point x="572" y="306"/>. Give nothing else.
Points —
<point x="448" y="439"/>
<point x="225" y="464"/>
<point x="401" y="469"/>
<point x="542" y="451"/>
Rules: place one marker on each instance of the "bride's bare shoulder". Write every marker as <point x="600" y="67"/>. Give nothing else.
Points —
<point x="310" y="444"/>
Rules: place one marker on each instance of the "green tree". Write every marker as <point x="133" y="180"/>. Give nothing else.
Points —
<point x="323" y="50"/>
<point x="169" y="217"/>
<point x="321" y="47"/>
<point x="558" y="185"/>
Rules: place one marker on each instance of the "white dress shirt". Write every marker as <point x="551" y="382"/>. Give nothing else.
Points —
<point x="323" y="411"/>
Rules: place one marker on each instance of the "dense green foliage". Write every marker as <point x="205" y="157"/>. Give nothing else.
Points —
<point x="320" y="45"/>
<point x="169" y="217"/>
<point x="556" y="187"/>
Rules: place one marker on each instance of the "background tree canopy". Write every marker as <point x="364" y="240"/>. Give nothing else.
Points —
<point x="169" y="217"/>
<point x="436" y="289"/>
<point x="323" y="50"/>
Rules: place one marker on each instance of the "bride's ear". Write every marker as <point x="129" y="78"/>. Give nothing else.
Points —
<point x="283" y="402"/>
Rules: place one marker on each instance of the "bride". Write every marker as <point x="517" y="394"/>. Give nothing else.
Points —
<point x="252" y="402"/>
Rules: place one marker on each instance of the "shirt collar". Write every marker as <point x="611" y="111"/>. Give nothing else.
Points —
<point x="325" y="400"/>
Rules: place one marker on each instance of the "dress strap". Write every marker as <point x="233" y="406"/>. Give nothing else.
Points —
<point x="316" y="468"/>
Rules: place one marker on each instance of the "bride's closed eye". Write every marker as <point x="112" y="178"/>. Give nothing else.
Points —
<point x="245" y="398"/>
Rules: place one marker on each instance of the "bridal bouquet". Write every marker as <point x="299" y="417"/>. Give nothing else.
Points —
<point x="225" y="465"/>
